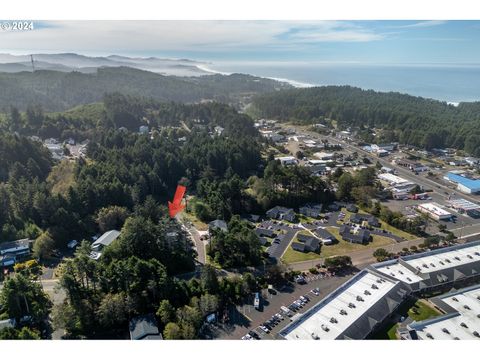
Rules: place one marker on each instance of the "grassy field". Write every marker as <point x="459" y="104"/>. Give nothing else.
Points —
<point x="417" y="310"/>
<point x="292" y="256"/>
<point x="421" y="310"/>
<point x="342" y="247"/>
<point x="384" y="225"/>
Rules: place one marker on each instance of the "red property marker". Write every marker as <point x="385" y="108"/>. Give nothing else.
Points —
<point x="176" y="206"/>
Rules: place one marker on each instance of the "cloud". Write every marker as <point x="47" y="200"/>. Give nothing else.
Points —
<point x="422" y="24"/>
<point x="129" y="37"/>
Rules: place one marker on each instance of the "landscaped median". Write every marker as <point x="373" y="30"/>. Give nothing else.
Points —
<point x="341" y="247"/>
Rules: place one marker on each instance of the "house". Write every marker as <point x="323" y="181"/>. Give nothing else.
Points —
<point x="264" y="232"/>
<point x="311" y="210"/>
<point x="102" y="242"/>
<point x="263" y="240"/>
<point x="360" y="218"/>
<point x="325" y="236"/>
<point x="334" y="207"/>
<point x="355" y="235"/>
<point x="383" y="147"/>
<point x="287" y="160"/>
<point x="217" y="225"/>
<point x="12" y="251"/>
<point x="310" y="243"/>
<point x="7" y="324"/>
<point x="281" y="213"/>
<point x="144" y="328"/>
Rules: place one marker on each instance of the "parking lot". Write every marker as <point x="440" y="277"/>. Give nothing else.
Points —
<point x="246" y="318"/>
<point x="285" y="234"/>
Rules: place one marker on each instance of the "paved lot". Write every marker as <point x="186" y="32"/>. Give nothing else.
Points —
<point x="285" y="233"/>
<point x="245" y="318"/>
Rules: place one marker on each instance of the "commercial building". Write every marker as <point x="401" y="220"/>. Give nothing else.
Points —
<point x="412" y="165"/>
<point x="392" y="179"/>
<point x="352" y="311"/>
<point x="461" y="320"/>
<point x="464" y="206"/>
<point x="102" y="242"/>
<point x="287" y="160"/>
<point x="362" y="305"/>
<point x="324" y="155"/>
<point x="464" y="183"/>
<point x="434" y="211"/>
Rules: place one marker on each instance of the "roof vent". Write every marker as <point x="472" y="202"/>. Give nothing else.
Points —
<point x="409" y="279"/>
<point x="325" y="328"/>
<point x="466" y="307"/>
<point x="470" y="256"/>
<point x="315" y="336"/>
<point x="457" y="258"/>
<point x="432" y="264"/>
<point x="477" y="253"/>
<point x="476" y="334"/>
<point x="445" y="330"/>
<point x="400" y="272"/>
<point x="456" y="338"/>
<point x="375" y="287"/>
<point x="454" y="299"/>
<point x="464" y="325"/>
<point x="343" y="312"/>
<point x="442" y="263"/>
<point x="379" y="281"/>
<point x="430" y="336"/>
<point x="359" y="298"/>
<point x="425" y="266"/>
<point x="333" y="320"/>
<point x="366" y="292"/>
<point x="351" y="305"/>
<point x="448" y="261"/>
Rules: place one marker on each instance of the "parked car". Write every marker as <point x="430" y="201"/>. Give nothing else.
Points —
<point x="264" y="329"/>
<point x="254" y="335"/>
<point x="315" y="292"/>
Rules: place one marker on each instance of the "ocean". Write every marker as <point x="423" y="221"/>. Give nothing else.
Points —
<point x="448" y="83"/>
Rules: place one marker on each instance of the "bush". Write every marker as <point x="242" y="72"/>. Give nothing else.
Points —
<point x="313" y="271"/>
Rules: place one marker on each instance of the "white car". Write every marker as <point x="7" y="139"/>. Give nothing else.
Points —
<point x="264" y="329"/>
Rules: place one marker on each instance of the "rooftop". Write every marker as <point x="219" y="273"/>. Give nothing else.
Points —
<point x="462" y="323"/>
<point x="463" y="180"/>
<point x="106" y="239"/>
<point x="333" y="315"/>
<point x="434" y="208"/>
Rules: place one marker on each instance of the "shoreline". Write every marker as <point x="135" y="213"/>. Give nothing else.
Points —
<point x="299" y="85"/>
<point x="294" y="83"/>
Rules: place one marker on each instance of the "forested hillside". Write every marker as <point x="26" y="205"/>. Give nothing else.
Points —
<point x="412" y="120"/>
<point x="57" y="91"/>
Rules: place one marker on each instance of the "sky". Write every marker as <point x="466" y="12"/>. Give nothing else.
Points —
<point x="377" y="42"/>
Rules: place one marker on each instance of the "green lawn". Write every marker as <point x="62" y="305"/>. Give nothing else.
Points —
<point x="342" y="247"/>
<point x="292" y="256"/>
<point x="421" y="310"/>
<point x="384" y="225"/>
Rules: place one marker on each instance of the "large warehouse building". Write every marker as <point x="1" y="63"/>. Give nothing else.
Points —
<point x="464" y="184"/>
<point x="350" y="312"/>
<point x="434" y="211"/>
<point x="362" y="304"/>
<point x="461" y="319"/>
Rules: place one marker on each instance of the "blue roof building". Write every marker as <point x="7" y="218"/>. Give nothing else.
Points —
<point x="464" y="184"/>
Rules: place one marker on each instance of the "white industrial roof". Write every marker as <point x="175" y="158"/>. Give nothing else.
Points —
<point x="107" y="238"/>
<point x="463" y="204"/>
<point x="392" y="179"/>
<point x="444" y="260"/>
<point x="460" y="325"/>
<point x="400" y="272"/>
<point x="434" y="208"/>
<point x="343" y="306"/>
